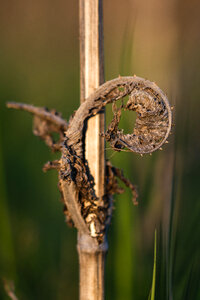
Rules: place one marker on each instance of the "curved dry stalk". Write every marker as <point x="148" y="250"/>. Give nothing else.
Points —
<point x="89" y="214"/>
<point x="152" y="127"/>
<point x="44" y="123"/>
<point x="51" y="116"/>
<point x="153" y="122"/>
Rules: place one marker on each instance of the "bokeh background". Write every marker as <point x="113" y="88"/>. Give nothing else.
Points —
<point x="39" y="64"/>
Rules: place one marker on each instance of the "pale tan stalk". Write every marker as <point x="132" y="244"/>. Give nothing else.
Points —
<point x="91" y="255"/>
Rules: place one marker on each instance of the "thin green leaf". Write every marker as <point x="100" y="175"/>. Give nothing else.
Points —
<point x="153" y="287"/>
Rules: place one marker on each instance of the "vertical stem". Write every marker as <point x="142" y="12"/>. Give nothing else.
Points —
<point x="91" y="76"/>
<point x="92" y="263"/>
<point x="92" y="255"/>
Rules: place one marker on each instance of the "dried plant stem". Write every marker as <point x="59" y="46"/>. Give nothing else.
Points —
<point x="91" y="255"/>
<point x="92" y="262"/>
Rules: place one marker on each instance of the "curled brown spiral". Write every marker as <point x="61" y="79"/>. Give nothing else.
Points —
<point x="152" y="127"/>
<point x="85" y="210"/>
<point x="153" y="122"/>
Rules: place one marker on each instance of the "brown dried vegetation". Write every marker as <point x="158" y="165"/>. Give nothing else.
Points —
<point x="152" y="127"/>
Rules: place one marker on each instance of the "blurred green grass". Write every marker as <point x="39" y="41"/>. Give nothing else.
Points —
<point x="40" y="65"/>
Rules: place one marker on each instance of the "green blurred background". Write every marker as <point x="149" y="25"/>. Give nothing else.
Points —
<point x="39" y="64"/>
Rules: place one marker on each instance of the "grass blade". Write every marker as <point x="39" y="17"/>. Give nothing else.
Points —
<point x="153" y="287"/>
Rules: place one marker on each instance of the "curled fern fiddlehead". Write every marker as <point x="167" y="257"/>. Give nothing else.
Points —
<point x="152" y="127"/>
<point x="83" y="208"/>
